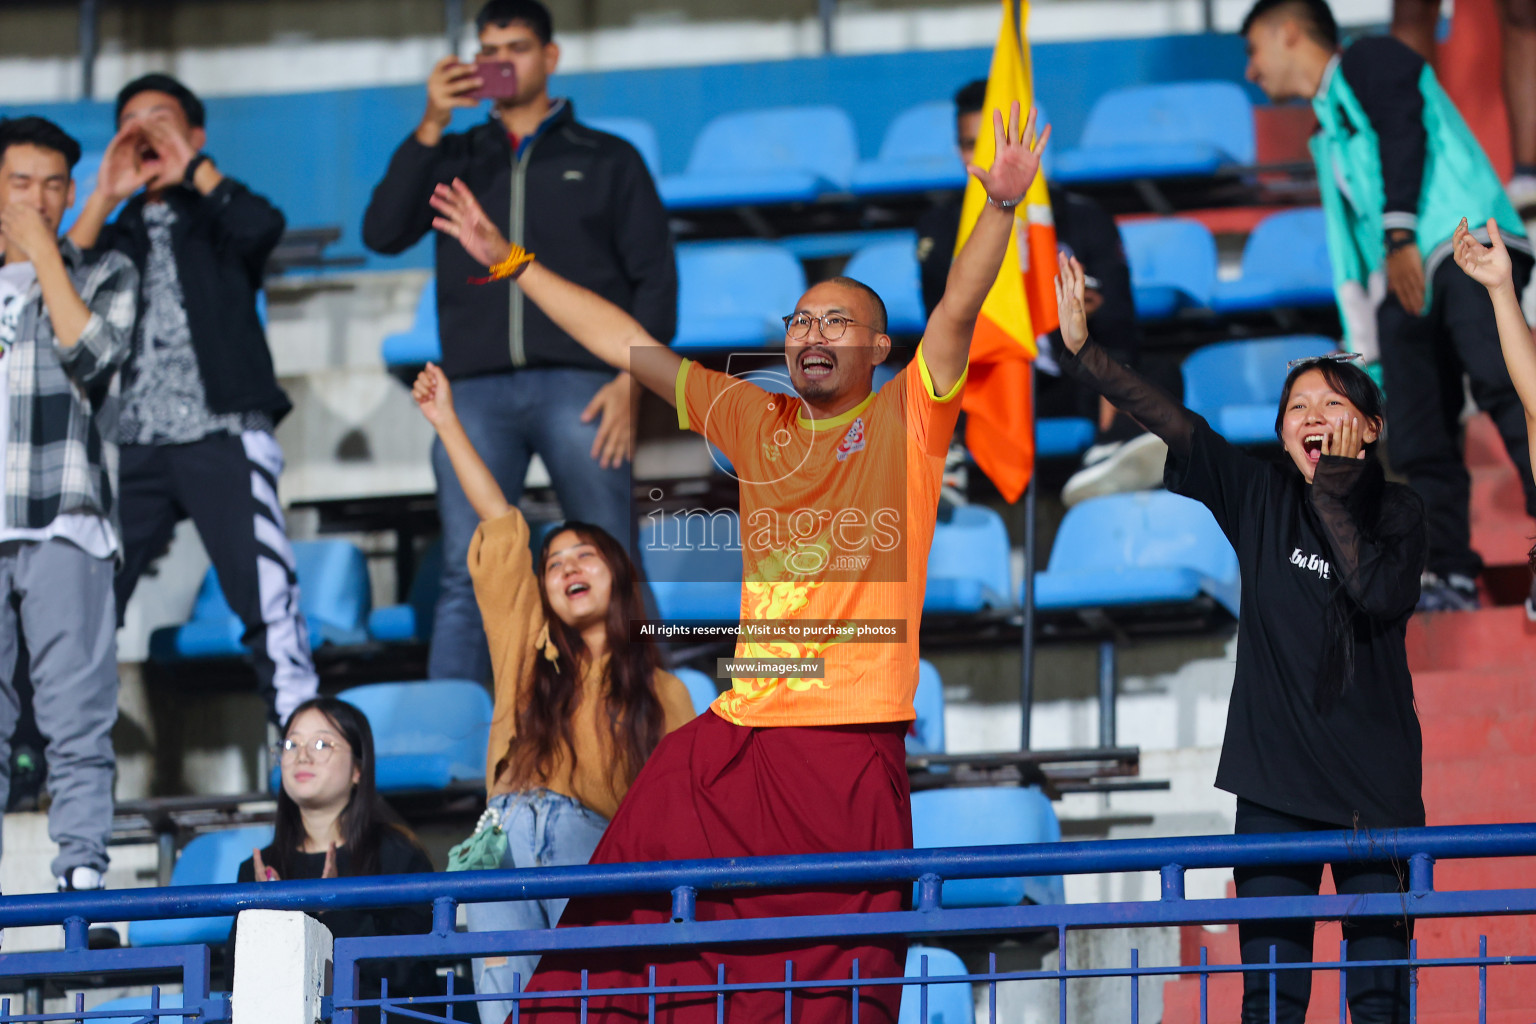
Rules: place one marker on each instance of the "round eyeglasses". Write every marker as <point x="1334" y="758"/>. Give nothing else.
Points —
<point x="320" y="749"/>
<point x="832" y="326"/>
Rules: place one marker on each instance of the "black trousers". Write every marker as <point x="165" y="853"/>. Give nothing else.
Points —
<point x="227" y="485"/>
<point x="1423" y="360"/>
<point x="1377" y="995"/>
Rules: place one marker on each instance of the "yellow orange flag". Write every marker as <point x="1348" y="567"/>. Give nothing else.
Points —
<point x="1022" y="304"/>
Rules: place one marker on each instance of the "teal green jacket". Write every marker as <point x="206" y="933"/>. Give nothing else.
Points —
<point x="1424" y="136"/>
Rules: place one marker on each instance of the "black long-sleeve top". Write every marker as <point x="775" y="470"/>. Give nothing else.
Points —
<point x="1357" y="761"/>
<point x="579" y="199"/>
<point x="398" y="855"/>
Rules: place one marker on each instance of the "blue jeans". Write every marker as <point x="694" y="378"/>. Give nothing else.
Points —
<point x="544" y="829"/>
<point x="509" y="417"/>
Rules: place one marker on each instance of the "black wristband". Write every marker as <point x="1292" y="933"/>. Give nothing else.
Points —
<point x="192" y="166"/>
<point x="1399" y="238"/>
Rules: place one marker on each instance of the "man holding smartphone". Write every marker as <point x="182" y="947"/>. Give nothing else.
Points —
<point x="584" y="202"/>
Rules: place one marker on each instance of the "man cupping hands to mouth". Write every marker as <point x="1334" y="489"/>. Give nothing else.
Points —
<point x="200" y="399"/>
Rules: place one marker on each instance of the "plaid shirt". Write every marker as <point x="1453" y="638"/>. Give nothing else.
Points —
<point x="58" y="457"/>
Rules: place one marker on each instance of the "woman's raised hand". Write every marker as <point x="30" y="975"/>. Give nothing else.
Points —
<point x="1344" y="440"/>
<point x="263" y="873"/>
<point x="434" y="395"/>
<point x="1069" y="302"/>
<point x="1489" y="266"/>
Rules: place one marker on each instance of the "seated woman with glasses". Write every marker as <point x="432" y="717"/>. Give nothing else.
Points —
<point x="1321" y="728"/>
<point x="580" y="705"/>
<point x="332" y="823"/>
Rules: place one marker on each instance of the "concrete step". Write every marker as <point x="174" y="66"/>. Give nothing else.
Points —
<point x="1478" y="736"/>
<point x="1501" y="531"/>
<point x="1473" y="693"/>
<point x="1494" y="638"/>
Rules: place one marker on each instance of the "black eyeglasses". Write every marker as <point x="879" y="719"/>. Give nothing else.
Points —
<point x="1331" y="357"/>
<point x="832" y="326"/>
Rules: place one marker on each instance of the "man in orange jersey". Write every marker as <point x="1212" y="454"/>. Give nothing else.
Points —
<point x="839" y="496"/>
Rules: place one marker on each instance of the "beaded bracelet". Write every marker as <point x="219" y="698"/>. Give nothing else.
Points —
<point x="510" y="268"/>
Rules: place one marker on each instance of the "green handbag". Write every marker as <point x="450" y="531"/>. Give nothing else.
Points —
<point x="482" y="851"/>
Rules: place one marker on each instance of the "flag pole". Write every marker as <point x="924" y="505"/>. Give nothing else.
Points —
<point x="1027" y="644"/>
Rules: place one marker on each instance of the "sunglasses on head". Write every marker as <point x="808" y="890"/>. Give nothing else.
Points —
<point x="1333" y="357"/>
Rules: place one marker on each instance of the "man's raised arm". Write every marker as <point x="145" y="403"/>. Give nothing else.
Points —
<point x="601" y="327"/>
<point x="947" y="341"/>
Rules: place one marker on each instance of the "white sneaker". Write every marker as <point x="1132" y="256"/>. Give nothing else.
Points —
<point x="1522" y="193"/>
<point x="81" y="879"/>
<point x="1136" y="465"/>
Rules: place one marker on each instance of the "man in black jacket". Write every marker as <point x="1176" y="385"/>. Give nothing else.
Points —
<point x="199" y="396"/>
<point x="583" y="201"/>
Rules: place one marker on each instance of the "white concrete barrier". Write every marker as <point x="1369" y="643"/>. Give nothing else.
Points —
<point x="282" y="967"/>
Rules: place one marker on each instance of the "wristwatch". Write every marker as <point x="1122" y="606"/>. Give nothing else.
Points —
<point x="192" y="166"/>
<point x="1006" y="204"/>
<point x="1399" y="238"/>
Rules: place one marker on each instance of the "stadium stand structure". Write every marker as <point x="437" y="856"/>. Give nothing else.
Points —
<point x="1235" y="384"/>
<point x="334" y="597"/>
<point x="917" y="154"/>
<point x="427" y="735"/>
<point x="1128" y="565"/>
<point x="988" y="816"/>
<point x="208" y="859"/>
<point x="772" y="155"/>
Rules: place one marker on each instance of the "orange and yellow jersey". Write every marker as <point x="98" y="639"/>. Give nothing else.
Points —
<point x="837" y="518"/>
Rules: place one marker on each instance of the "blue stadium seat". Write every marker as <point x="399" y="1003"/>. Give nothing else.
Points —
<point x="701" y="689"/>
<point x="1162" y="131"/>
<point x="693" y="566"/>
<point x="426" y="735"/>
<point x="772" y="155"/>
<point x="209" y="859"/>
<point x="1064" y="437"/>
<point x="168" y="1000"/>
<point x="1148" y="548"/>
<point x="917" y="154"/>
<point x="927" y="735"/>
<point x="947" y="1004"/>
<point x="638" y="133"/>
<point x="992" y="816"/>
<point x="890" y="268"/>
<point x="968" y="565"/>
<point x="1285" y="263"/>
<point x="1173" y="265"/>
<point x="1236" y="385"/>
<point x="732" y="295"/>
<point x="417" y="345"/>
<point x="412" y="621"/>
<point x="334" y="595"/>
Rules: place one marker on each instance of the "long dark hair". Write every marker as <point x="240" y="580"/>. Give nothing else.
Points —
<point x="363" y="820"/>
<point x="1337" y="668"/>
<point x="635" y="720"/>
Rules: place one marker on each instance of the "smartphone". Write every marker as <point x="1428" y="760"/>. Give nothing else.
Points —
<point x="498" y="80"/>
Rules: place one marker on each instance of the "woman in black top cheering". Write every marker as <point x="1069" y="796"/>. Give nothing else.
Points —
<point x="332" y="823"/>
<point x="1321" y="730"/>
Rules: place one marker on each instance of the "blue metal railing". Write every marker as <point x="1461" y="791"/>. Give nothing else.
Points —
<point x="683" y="881"/>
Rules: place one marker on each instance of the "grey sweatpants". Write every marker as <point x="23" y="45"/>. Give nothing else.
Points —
<point x="60" y="599"/>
